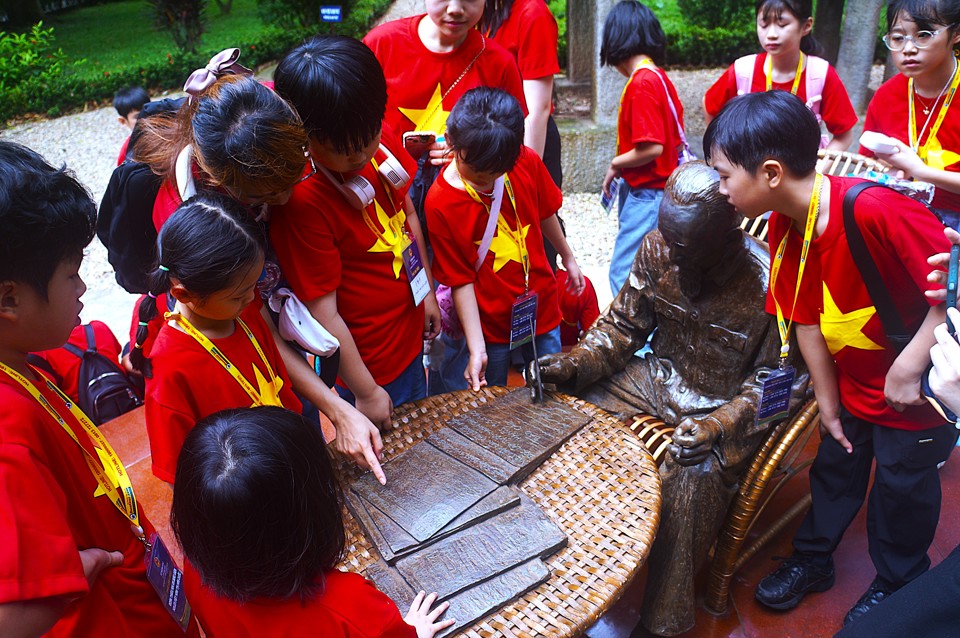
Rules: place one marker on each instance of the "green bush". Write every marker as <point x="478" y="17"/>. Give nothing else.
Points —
<point x="559" y="10"/>
<point x="699" y="46"/>
<point x="358" y="15"/>
<point x="712" y="14"/>
<point x="29" y="55"/>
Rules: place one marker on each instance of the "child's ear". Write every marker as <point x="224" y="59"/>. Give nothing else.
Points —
<point x="181" y="294"/>
<point x="9" y="299"/>
<point x="806" y="27"/>
<point x="771" y="172"/>
<point x="122" y="120"/>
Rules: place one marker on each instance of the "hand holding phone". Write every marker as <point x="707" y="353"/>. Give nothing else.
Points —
<point x="418" y="142"/>
<point x="952" y="273"/>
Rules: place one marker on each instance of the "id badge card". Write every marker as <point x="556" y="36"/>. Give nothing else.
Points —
<point x="775" y="393"/>
<point x="416" y="273"/>
<point x="523" y="319"/>
<point x="167" y="581"/>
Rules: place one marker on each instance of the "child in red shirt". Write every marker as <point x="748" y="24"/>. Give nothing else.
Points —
<point x="486" y="209"/>
<point x="787" y="63"/>
<point x="649" y="121"/>
<point x="577" y="312"/>
<point x="215" y="350"/>
<point x="273" y="574"/>
<point x="916" y="105"/>
<point x="872" y="411"/>
<point x="344" y="258"/>
<point x="69" y="562"/>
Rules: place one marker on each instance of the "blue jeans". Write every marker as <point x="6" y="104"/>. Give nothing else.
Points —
<point x="638" y="211"/>
<point x="410" y="385"/>
<point x="456" y="355"/>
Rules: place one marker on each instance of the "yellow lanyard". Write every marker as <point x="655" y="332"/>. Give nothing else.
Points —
<point x="502" y="225"/>
<point x="813" y="212"/>
<point x="369" y="222"/>
<point x="768" y="72"/>
<point x="103" y="462"/>
<point x="271" y="396"/>
<point x="914" y="138"/>
<point x="644" y="63"/>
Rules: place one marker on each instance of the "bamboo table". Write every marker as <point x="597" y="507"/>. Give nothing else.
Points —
<point x="601" y="487"/>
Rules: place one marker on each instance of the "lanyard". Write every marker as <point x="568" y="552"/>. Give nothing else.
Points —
<point x="516" y="236"/>
<point x="644" y="63"/>
<point x="914" y="138"/>
<point x="813" y="212"/>
<point x="269" y="392"/>
<point x="393" y="225"/>
<point x="768" y="72"/>
<point x="103" y="462"/>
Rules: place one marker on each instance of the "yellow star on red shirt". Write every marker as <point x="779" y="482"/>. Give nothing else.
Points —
<point x="269" y="391"/>
<point x="845" y="329"/>
<point x="432" y="117"/>
<point x="935" y="156"/>
<point x="505" y="246"/>
<point x="391" y="239"/>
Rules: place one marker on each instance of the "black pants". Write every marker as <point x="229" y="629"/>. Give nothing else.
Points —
<point x="551" y="158"/>
<point x="928" y="607"/>
<point x="903" y="508"/>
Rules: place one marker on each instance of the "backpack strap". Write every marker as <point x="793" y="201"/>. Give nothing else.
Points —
<point x="91" y="338"/>
<point x="817" y="69"/>
<point x="39" y="362"/>
<point x="889" y="316"/>
<point x="74" y="350"/>
<point x="743" y="69"/>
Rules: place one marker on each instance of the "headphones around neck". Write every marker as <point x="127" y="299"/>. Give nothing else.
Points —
<point x="358" y="191"/>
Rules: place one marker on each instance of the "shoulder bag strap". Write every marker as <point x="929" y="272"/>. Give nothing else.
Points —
<point x="673" y="109"/>
<point x="889" y="316"/>
<point x="491" y="223"/>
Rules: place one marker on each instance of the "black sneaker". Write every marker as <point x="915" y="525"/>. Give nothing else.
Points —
<point x="784" y="588"/>
<point x="875" y="594"/>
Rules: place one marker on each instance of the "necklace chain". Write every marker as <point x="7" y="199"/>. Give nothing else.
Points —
<point x="927" y="109"/>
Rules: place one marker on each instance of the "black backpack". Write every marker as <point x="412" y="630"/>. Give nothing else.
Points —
<point x="125" y="221"/>
<point x="105" y="391"/>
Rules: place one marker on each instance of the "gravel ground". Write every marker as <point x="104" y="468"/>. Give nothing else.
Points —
<point x="88" y="143"/>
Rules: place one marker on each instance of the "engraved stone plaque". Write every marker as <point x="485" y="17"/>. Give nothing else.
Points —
<point x="521" y="433"/>
<point x="483" y="550"/>
<point x="477" y="457"/>
<point x="425" y="490"/>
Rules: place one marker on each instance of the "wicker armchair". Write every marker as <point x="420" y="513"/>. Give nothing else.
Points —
<point x="778" y="459"/>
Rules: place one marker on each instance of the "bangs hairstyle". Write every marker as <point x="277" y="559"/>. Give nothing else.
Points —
<point x="927" y="14"/>
<point x="755" y="127"/>
<point x="337" y="86"/>
<point x="485" y="129"/>
<point x="632" y="29"/>
<point x="245" y="137"/>
<point x="207" y="245"/>
<point x="257" y="507"/>
<point x="802" y="10"/>
<point x="46" y="217"/>
<point x="131" y="98"/>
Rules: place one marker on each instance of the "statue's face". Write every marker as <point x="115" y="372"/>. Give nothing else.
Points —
<point x="694" y="238"/>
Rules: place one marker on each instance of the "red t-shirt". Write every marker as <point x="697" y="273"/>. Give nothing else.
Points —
<point x="645" y="117"/>
<point x="900" y="234"/>
<point x="530" y="34"/>
<point x="350" y="606"/>
<point x="457" y="224"/>
<point x="576" y="313"/>
<point x="889" y="113"/>
<point x="67" y="365"/>
<point x="417" y="78"/>
<point x="189" y="384"/>
<point x="324" y="245"/>
<point x="48" y="513"/>
<point x="836" y="110"/>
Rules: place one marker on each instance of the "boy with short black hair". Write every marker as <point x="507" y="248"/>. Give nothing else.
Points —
<point x="342" y="253"/>
<point x="129" y="102"/>
<point x="764" y="146"/>
<point x="70" y="563"/>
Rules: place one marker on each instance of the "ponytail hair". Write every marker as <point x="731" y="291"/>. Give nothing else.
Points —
<point x="802" y="10"/>
<point x="206" y="244"/>
<point x="495" y="13"/>
<point x="244" y="136"/>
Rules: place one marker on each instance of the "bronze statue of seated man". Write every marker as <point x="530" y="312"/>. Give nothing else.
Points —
<point x="698" y="286"/>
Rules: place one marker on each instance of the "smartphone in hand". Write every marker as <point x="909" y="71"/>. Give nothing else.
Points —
<point x="417" y="142"/>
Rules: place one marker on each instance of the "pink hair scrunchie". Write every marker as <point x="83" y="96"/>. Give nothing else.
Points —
<point x="223" y="63"/>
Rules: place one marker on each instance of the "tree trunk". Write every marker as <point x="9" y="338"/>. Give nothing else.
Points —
<point x="857" y="45"/>
<point x="23" y="13"/>
<point x="826" y="27"/>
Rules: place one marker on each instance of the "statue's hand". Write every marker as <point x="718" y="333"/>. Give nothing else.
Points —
<point x="555" y="368"/>
<point x="693" y="440"/>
